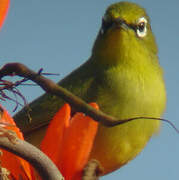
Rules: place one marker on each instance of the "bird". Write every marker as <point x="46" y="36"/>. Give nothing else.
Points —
<point x="123" y="76"/>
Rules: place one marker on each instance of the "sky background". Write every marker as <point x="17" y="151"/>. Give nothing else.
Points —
<point x="57" y="35"/>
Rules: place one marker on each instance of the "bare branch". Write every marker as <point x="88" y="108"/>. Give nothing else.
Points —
<point x="52" y="88"/>
<point x="49" y="86"/>
<point x="44" y="166"/>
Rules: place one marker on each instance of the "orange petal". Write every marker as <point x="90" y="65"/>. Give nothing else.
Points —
<point x="53" y="139"/>
<point x="16" y="165"/>
<point x="4" y="6"/>
<point x="69" y="142"/>
<point x="76" y="147"/>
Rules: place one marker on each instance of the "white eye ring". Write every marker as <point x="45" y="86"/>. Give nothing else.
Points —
<point x="141" y="29"/>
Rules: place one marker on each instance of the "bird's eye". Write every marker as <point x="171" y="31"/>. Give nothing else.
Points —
<point x="141" y="28"/>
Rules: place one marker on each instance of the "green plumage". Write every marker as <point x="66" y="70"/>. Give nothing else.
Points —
<point x="123" y="77"/>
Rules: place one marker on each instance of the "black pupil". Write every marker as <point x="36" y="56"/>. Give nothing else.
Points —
<point x="141" y="26"/>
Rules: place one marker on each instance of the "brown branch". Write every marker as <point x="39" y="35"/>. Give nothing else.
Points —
<point x="44" y="166"/>
<point x="80" y="105"/>
<point x="52" y="88"/>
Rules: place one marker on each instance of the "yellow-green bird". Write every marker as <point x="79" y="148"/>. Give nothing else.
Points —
<point x="123" y="76"/>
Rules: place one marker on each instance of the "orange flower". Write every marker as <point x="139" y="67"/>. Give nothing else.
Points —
<point x="68" y="141"/>
<point x="4" y="6"/>
<point x="16" y="165"/>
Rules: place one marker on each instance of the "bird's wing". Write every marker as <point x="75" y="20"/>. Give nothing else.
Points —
<point x="43" y="108"/>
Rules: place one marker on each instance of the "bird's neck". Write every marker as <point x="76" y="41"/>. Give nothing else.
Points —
<point x="116" y="49"/>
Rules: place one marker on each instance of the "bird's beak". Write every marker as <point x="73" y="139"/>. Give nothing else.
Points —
<point x="116" y="23"/>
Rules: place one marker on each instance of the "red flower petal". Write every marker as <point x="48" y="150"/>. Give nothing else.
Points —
<point x="4" y="5"/>
<point x="16" y="165"/>
<point x="53" y="139"/>
<point x="73" y="144"/>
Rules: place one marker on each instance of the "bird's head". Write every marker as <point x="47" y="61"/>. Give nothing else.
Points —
<point x="125" y="31"/>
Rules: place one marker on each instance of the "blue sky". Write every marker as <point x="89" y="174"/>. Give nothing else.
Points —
<point x="58" y="36"/>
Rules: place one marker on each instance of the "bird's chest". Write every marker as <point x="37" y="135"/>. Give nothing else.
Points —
<point x="130" y="93"/>
<point x="127" y="95"/>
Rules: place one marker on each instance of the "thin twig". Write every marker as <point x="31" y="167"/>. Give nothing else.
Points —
<point x="80" y="105"/>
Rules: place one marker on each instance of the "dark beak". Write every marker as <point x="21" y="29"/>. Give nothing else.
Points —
<point x="119" y="23"/>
